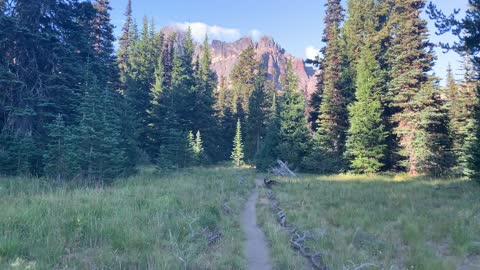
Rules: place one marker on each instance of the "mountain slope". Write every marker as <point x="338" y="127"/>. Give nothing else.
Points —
<point x="226" y="54"/>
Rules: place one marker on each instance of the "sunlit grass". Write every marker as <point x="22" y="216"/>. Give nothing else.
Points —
<point x="388" y="222"/>
<point x="149" y="221"/>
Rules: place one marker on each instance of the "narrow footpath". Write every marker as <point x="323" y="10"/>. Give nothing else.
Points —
<point x="256" y="247"/>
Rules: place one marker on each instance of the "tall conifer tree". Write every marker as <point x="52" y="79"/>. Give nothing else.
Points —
<point x="269" y="146"/>
<point x="258" y="113"/>
<point x="203" y="109"/>
<point x="125" y="42"/>
<point x="463" y="99"/>
<point x="366" y="143"/>
<point x="103" y="39"/>
<point x="140" y="78"/>
<point x="466" y="29"/>
<point x="56" y="156"/>
<point x="418" y="116"/>
<point x="294" y="135"/>
<point x="333" y="116"/>
<point x="243" y="77"/>
<point x="237" y="152"/>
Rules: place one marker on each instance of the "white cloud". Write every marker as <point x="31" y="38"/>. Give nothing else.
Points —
<point x="311" y="52"/>
<point x="256" y="34"/>
<point x="199" y="30"/>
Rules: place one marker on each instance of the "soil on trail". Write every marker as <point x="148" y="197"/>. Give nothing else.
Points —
<point x="256" y="248"/>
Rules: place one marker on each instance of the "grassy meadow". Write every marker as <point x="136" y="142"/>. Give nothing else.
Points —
<point x="378" y="222"/>
<point x="153" y="221"/>
<point x="149" y="221"/>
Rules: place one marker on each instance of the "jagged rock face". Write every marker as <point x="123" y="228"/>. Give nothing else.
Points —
<point x="226" y="54"/>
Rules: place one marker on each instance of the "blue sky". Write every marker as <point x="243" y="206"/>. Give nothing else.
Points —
<point x="296" y="25"/>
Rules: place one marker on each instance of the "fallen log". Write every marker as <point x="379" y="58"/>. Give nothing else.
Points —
<point x="297" y="238"/>
<point x="283" y="170"/>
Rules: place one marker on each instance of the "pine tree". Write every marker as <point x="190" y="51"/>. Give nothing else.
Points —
<point x="60" y="45"/>
<point x="463" y="100"/>
<point x="469" y="161"/>
<point x="235" y="102"/>
<point x="172" y="152"/>
<point x="204" y="101"/>
<point x="365" y="23"/>
<point x="243" y="77"/>
<point x="315" y="101"/>
<point x="169" y="143"/>
<point x="183" y="84"/>
<point x="156" y="110"/>
<point x="55" y="43"/>
<point x="128" y="144"/>
<point x="113" y="159"/>
<point x="198" y="148"/>
<point x="227" y="126"/>
<point x="471" y="38"/>
<point x="125" y="42"/>
<point x="63" y="39"/>
<point x="269" y="146"/>
<point x="97" y="152"/>
<point x="413" y="99"/>
<point x="431" y="144"/>
<point x="333" y="115"/>
<point x="190" y="158"/>
<point x="451" y="83"/>
<point x="294" y="134"/>
<point x="56" y="154"/>
<point x="103" y="39"/>
<point x="167" y="59"/>
<point x="366" y="143"/>
<point x="366" y="18"/>
<point x="466" y="29"/>
<point x="173" y="102"/>
<point x="142" y="63"/>
<point x="182" y="92"/>
<point x="221" y="98"/>
<point x="256" y="124"/>
<point x="237" y="152"/>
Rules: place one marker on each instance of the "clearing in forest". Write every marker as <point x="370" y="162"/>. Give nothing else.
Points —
<point x="203" y="218"/>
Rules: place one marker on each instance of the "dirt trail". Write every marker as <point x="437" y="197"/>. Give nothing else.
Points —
<point x="256" y="248"/>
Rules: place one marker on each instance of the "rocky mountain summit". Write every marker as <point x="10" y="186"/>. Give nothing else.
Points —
<point x="226" y="54"/>
<point x="272" y="55"/>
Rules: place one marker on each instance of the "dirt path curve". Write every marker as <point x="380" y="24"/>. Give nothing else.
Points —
<point x="256" y="248"/>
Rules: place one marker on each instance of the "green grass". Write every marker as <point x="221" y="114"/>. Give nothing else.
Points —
<point x="149" y="221"/>
<point x="386" y="222"/>
<point x="153" y="221"/>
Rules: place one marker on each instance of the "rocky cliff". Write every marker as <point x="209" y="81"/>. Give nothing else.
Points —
<point x="226" y="54"/>
<point x="271" y="54"/>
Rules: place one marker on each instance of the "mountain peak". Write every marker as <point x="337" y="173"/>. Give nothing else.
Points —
<point x="266" y="39"/>
<point x="226" y="54"/>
